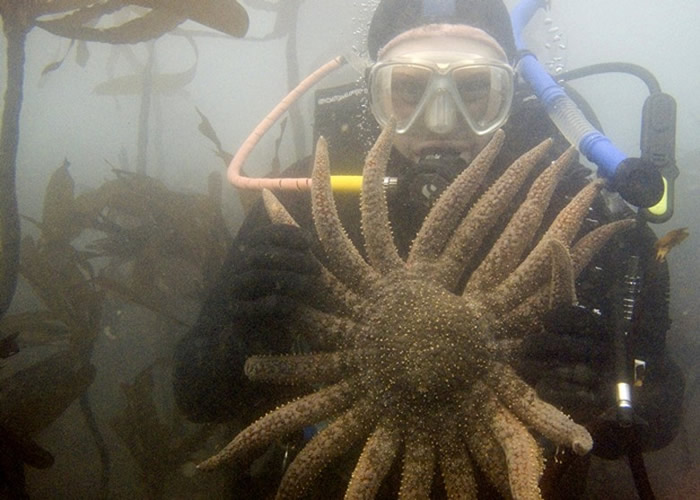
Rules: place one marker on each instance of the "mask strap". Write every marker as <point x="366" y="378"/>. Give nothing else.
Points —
<point x="438" y="8"/>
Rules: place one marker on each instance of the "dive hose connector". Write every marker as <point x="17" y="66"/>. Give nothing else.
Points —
<point x="625" y="415"/>
<point x="624" y="395"/>
<point x="353" y="183"/>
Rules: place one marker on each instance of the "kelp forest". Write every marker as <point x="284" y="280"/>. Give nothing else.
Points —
<point x="101" y="259"/>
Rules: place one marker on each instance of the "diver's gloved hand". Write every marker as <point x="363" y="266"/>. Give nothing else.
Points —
<point x="266" y="272"/>
<point x="570" y="362"/>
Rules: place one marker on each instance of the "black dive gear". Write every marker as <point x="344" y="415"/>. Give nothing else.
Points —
<point x="271" y="268"/>
<point x="604" y="361"/>
<point x="423" y="182"/>
<point x="570" y="361"/>
<point x="259" y="283"/>
<point x="393" y="17"/>
<point x="629" y="425"/>
<point x="638" y="182"/>
<point x="622" y="420"/>
<point x="658" y="146"/>
<point x="646" y="182"/>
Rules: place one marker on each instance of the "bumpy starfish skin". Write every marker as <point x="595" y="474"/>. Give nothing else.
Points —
<point x="413" y="366"/>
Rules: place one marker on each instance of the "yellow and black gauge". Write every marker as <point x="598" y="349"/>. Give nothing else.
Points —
<point x="658" y="145"/>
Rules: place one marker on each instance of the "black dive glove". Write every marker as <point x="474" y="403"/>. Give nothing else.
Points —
<point x="265" y="272"/>
<point x="570" y="363"/>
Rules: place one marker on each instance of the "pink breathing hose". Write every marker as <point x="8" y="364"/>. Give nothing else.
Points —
<point x="300" y="183"/>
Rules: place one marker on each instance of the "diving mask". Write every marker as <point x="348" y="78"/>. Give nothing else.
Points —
<point x="477" y="89"/>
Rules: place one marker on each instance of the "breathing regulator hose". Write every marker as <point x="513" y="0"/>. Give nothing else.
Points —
<point x="643" y="182"/>
<point x="646" y="182"/>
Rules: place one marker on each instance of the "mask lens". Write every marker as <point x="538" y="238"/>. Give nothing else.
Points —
<point x="482" y="94"/>
<point x="408" y="85"/>
<point x="485" y="92"/>
<point x="397" y="90"/>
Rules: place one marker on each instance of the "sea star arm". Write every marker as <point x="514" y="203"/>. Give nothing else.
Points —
<point x="508" y="249"/>
<point x="526" y="317"/>
<point x="288" y="369"/>
<point x="375" y="461"/>
<point x="562" y="289"/>
<point x="322" y="330"/>
<point x="568" y="221"/>
<point x="308" y="409"/>
<point x="522" y="400"/>
<point x="449" y="208"/>
<point x="376" y="228"/>
<point x="331" y="442"/>
<point x="275" y="210"/>
<point x="523" y="455"/>
<point x="456" y="467"/>
<point x="332" y="292"/>
<point x="528" y="276"/>
<point x="585" y="248"/>
<point x="484" y="214"/>
<point x="345" y="260"/>
<point x="532" y="308"/>
<point x="418" y="466"/>
<point x="487" y="453"/>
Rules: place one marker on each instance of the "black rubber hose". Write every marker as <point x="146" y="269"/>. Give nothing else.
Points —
<point x="612" y="67"/>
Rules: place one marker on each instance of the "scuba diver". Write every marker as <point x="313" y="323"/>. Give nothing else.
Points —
<point x="446" y="74"/>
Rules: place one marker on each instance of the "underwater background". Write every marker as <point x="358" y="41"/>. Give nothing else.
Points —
<point x="119" y="140"/>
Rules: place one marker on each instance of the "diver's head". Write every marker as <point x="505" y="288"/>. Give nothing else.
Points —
<point x="442" y="70"/>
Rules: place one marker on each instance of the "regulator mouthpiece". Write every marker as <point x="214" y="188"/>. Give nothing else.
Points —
<point x="639" y="182"/>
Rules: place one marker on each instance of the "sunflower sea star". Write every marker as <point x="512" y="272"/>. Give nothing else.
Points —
<point x="410" y="363"/>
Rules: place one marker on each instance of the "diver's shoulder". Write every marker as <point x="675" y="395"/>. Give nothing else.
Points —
<point x="530" y="118"/>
